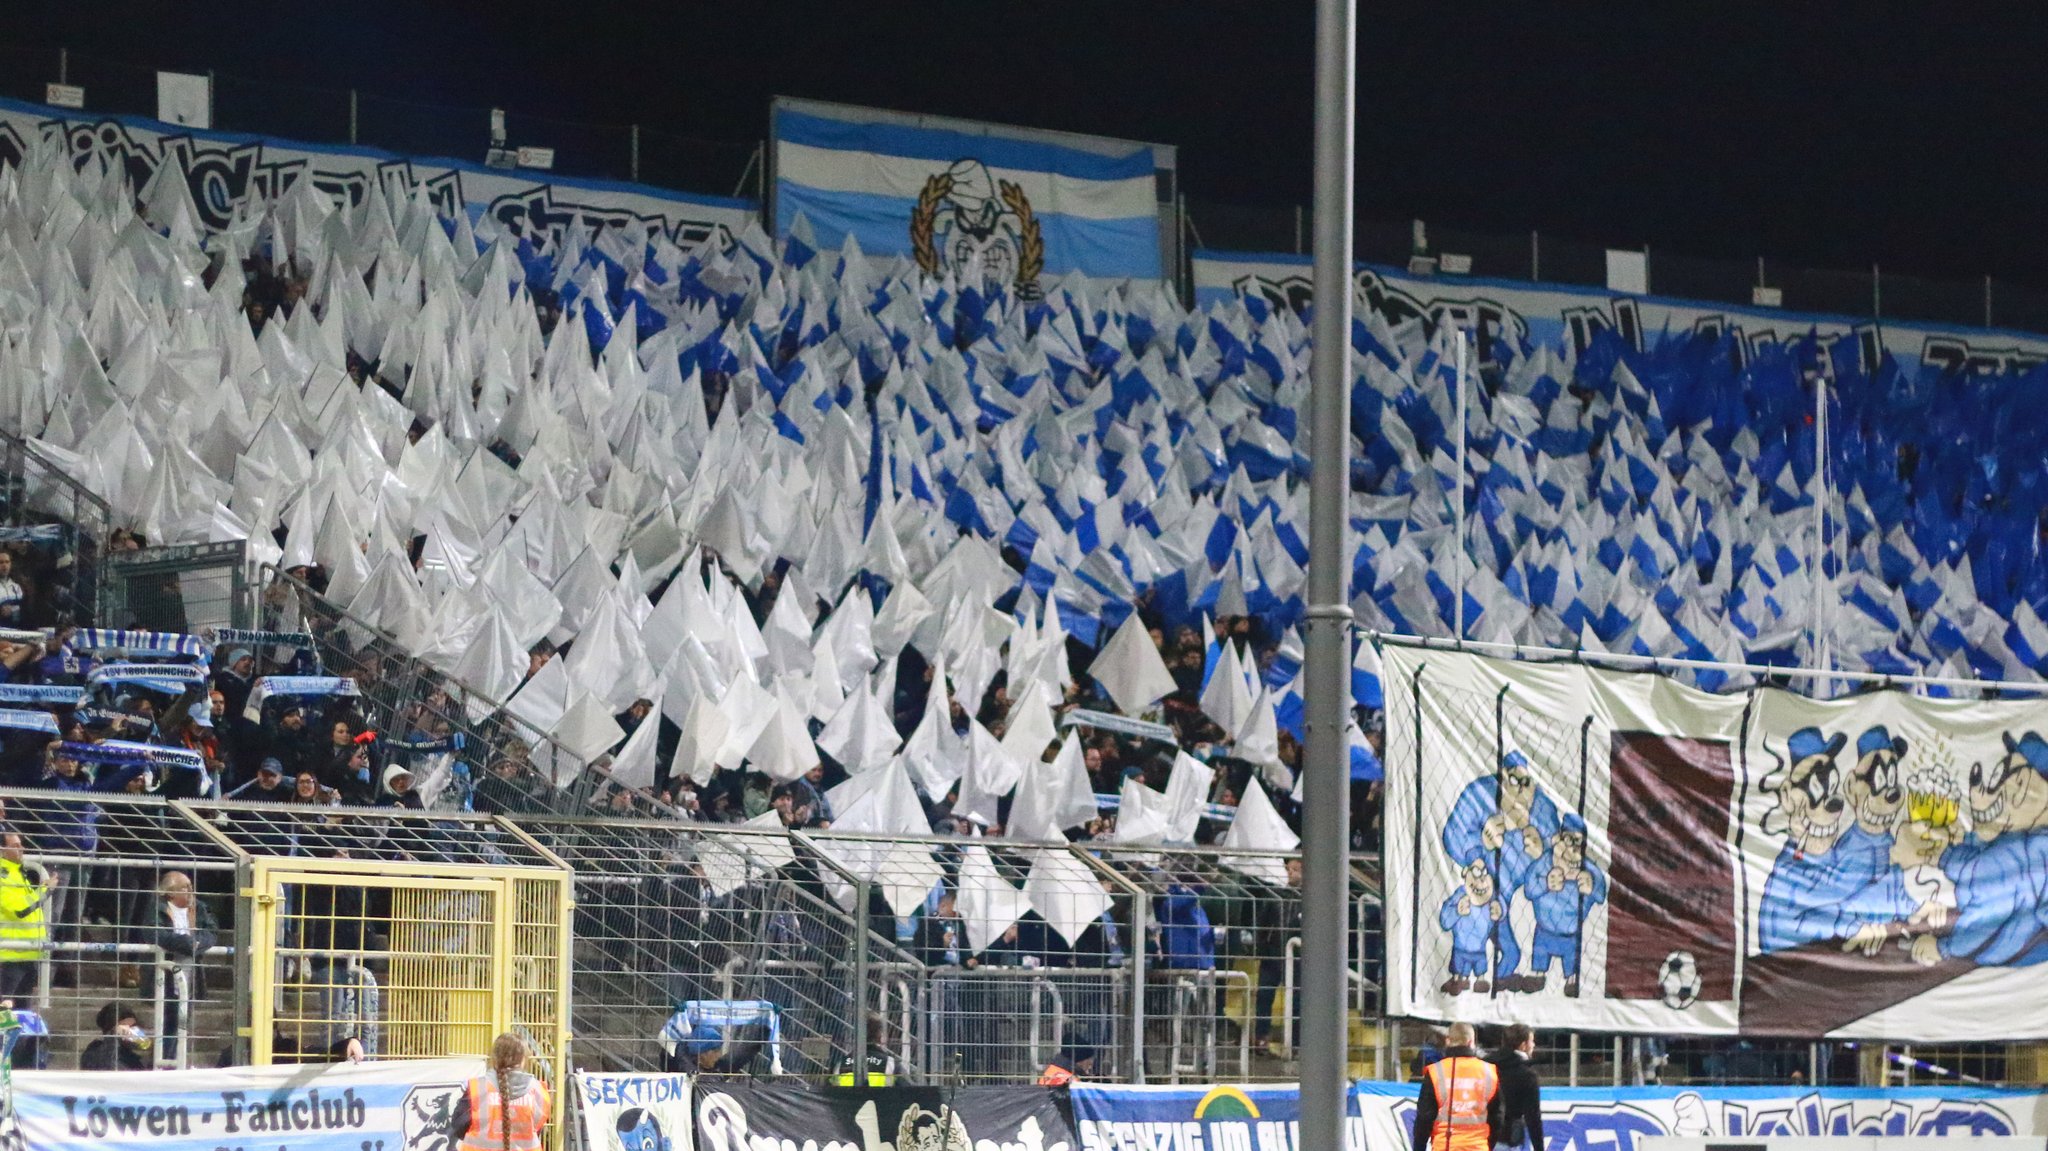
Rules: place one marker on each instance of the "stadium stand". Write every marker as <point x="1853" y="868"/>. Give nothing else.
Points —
<point x="627" y="542"/>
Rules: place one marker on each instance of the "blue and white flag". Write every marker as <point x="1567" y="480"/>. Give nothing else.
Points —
<point x="1018" y="209"/>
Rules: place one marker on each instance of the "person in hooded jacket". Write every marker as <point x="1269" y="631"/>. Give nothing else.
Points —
<point x="397" y="790"/>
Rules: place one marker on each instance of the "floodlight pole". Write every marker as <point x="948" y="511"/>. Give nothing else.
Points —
<point x="1326" y="812"/>
<point x="1458" y="556"/>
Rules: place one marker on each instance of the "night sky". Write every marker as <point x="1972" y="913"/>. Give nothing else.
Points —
<point x="1833" y="135"/>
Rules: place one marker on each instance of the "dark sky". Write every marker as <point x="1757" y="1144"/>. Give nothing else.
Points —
<point x="1827" y="134"/>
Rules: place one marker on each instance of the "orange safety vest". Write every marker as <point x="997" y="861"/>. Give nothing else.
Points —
<point x="1055" y="1075"/>
<point x="490" y="1113"/>
<point x="1464" y="1086"/>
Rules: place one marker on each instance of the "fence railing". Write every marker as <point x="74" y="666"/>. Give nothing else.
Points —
<point x="669" y="913"/>
<point x="64" y="533"/>
<point x="1540" y="257"/>
<point x="500" y="763"/>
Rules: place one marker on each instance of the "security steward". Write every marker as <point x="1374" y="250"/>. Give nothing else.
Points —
<point x="878" y="1069"/>
<point x="1460" y="1097"/>
<point x="505" y="1109"/>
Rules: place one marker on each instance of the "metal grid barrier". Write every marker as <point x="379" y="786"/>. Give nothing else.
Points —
<point x="503" y="765"/>
<point x="671" y="913"/>
<point x="62" y="572"/>
<point x="110" y="867"/>
<point x="185" y="588"/>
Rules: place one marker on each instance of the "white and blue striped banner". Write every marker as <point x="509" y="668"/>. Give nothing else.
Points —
<point x="1027" y="207"/>
<point x="398" y="1106"/>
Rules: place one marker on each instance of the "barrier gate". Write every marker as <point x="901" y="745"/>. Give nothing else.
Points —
<point x="419" y="936"/>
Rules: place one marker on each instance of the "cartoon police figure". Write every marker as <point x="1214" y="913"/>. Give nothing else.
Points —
<point x="1506" y="821"/>
<point x="1875" y="800"/>
<point x="1563" y="887"/>
<point x="1470" y="915"/>
<point x="1809" y="881"/>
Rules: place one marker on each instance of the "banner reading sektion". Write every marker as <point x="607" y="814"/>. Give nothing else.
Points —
<point x="223" y="169"/>
<point x="1557" y="314"/>
<point x="1615" y="851"/>
<point x="1382" y="1115"/>
<point x="1017" y="204"/>
<point x="634" y="1112"/>
<point x="404" y="1105"/>
<point x="741" y="1116"/>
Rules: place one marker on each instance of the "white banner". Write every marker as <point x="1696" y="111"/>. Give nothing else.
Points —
<point x="1614" y="851"/>
<point x="1556" y="313"/>
<point x="634" y="1112"/>
<point x="402" y="1105"/>
<point x="223" y="169"/>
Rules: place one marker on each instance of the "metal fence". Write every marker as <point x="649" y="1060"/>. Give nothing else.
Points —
<point x="58" y="533"/>
<point x="497" y="762"/>
<point x="187" y="588"/>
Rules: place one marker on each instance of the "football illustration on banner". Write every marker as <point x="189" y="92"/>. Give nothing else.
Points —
<point x="964" y="215"/>
<point x="1679" y="979"/>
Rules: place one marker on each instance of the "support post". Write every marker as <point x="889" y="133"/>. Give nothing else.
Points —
<point x="1300" y="242"/>
<point x="63" y="65"/>
<point x="1987" y="299"/>
<point x="863" y="893"/>
<point x="352" y="114"/>
<point x="634" y="165"/>
<point x="1876" y="294"/>
<point x="1326" y="823"/>
<point x="1535" y="255"/>
<point x="1458" y="556"/>
<point x="1136" y="951"/>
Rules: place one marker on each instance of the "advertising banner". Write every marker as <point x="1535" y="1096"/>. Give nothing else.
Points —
<point x="1615" y="851"/>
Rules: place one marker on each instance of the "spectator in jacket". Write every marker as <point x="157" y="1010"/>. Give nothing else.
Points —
<point x="122" y="1046"/>
<point x="1283" y="922"/>
<point x="1520" y="1122"/>
<point x="69" y="829"/>
<point x="269" y="785"/>
<point x="398" y="790"/>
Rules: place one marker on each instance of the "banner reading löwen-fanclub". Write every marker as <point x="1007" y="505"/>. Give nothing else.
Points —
<point x="1615" y="851"/>
<point x="403" y="1105"/>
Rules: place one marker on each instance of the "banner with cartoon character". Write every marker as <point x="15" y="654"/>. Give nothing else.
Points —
<point x="223" y="170"/>
<point x="1615" y="851"/>
<point x="745" y="1115"/>
<point x="634" y="1112"/>
<point x="1570" y="314"/>
<point x="402" y="1105"/>
<point x="990" y="204"/>
<point x="1618" y="1118"/>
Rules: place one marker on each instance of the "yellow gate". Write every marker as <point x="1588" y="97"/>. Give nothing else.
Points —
<point x="416" y="960"/>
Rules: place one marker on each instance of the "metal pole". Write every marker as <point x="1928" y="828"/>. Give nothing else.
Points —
<point x="1136" y="951"/>
<point x="864" y="893"/>
<point x="1535" y="255"/>
<point x="635" y="140"/>
<point x="1987" y="300"/>
<point x="1876" y="294"/>
<point x="1299" y="242"/>
<point x="1458" y="554"/>
<point x="63" y="65"/>
<point x="1326" y="823"/>
<point x="351" y="115"/>
<point x="1817" y="632"/>
<point x="209" y="99"/>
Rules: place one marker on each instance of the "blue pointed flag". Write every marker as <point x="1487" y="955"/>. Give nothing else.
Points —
<point x="1366" y="690"/>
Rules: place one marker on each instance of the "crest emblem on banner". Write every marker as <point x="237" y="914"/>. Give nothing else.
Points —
<point x="965" y="216"/>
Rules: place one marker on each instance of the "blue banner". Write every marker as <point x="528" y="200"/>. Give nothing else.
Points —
<point x="1382" y="1115"/>
<point x="398" y="1106"/>
<point x="966" y="198"/>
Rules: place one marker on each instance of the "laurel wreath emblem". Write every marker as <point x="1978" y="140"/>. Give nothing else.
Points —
<point x="1030" y="239"/>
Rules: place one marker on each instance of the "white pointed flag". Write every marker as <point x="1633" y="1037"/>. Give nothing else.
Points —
<point x="1129" y="667"/>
